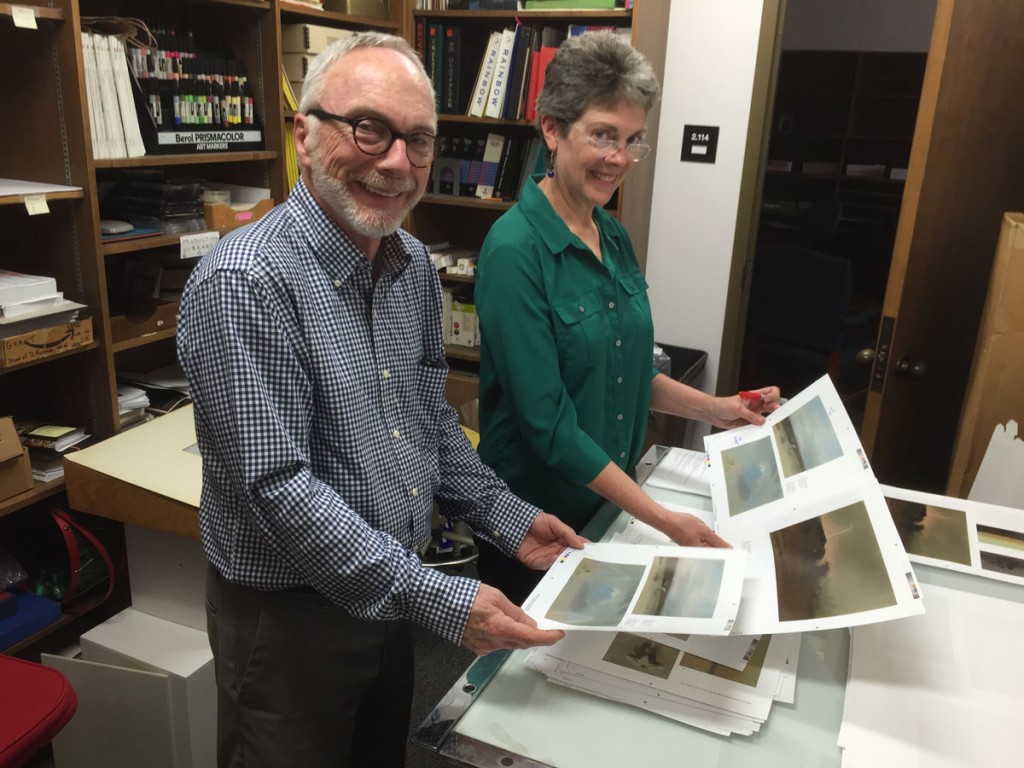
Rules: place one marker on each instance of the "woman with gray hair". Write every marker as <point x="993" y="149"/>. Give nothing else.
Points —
<point x="566" y="371"/>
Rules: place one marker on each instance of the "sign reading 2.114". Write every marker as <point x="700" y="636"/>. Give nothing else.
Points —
<point x="700" y="143"/>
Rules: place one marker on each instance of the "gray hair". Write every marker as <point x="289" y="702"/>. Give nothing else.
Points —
<point x="596" y="69"/>
<point x="313" y="84"/>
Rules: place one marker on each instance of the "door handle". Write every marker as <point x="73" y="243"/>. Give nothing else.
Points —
<point x="916" y="369"/>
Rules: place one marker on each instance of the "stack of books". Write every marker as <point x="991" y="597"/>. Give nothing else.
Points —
<point x="115" y="123"/>
<point x="47" y="444"/>
<point x="28" y="302"/>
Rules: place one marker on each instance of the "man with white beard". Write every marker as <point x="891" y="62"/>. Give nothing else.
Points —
<point x="313" y="347"/>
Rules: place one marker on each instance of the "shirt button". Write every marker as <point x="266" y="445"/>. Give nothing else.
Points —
<point x="396" y="434"/>
<point x="618" y="416"/>
<point x="414" y="492"/>
<point x="611" y="305"/>
<point x="373" y="314"/>
<point x="618" y="342"/>
<point x="385" y="373"/>
<point x="337" y="283"/>
<point x="618" y="379"/>
<point x="582" y="308"/>
<point x="495" y="535"/>
<point x="622" y="454"/>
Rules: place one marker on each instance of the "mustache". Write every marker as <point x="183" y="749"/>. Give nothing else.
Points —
<point x="375" y="182"/>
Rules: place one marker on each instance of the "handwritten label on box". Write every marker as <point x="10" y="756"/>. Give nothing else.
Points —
<point x="199" y="244"/>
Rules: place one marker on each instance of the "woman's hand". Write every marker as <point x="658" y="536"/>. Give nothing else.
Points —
<point x="745" y="408"/>
<point x="690" y="531"/>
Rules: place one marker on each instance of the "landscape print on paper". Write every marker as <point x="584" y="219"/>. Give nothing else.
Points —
<point x="830" y="565"/>
<point x="681" y="586"/>
<point x="597" y="594"/>
<point x="639" y="653"/>
<point x="751" y="476"/>
<point x="806" y="439"/>
<point x="930" y="531"/>
<point x="989" y="536"/>
<point x="749" y="675"/>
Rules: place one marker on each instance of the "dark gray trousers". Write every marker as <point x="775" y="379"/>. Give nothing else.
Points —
<point x="302" y="683"/>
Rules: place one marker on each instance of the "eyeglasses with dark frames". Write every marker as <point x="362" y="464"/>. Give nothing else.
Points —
<point x="375" y="137"/>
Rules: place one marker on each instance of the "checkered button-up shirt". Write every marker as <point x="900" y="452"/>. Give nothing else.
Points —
<point x="321" y="418"/>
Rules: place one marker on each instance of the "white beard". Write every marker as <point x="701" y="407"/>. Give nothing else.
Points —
<point x="371" y="222"/>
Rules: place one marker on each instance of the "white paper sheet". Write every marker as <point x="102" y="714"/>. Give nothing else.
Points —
<point x="682" y="470"/>
<point x="642" y="588"/>
<point x="941" y="690"/>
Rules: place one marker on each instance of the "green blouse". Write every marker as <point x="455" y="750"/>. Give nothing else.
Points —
<point x="566" y="356"/>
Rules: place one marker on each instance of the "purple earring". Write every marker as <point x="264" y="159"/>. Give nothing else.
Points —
<point x="551" y="165"/>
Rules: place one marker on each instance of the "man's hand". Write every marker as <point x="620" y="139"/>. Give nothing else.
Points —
<point x="496" y="623"/>
<point x="683" y="528"/>
<point x="545" y="540"/>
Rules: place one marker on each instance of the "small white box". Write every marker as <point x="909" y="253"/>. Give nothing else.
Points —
<point x="146" y="696"/>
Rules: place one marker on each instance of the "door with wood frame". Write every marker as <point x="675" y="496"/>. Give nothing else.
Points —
<point x="966" y="169"/>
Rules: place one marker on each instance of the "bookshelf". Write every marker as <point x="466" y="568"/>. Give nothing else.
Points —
<point x="842" y="128"/>
<point x="464" y="221"/>
<point x="50" y="144"/>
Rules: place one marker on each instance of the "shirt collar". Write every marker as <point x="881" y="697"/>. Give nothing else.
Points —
<point x="549" y="225"/>
<point x="337" y="255"/>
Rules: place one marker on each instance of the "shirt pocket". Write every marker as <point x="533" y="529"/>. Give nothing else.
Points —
<point x="580" y="330"/>
<point x="635" y="299"/>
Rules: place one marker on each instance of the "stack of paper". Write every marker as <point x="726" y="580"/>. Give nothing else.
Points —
<point x="721" y="684"/>
<point x="129" y="398"/>
<point x="28" y="302"/>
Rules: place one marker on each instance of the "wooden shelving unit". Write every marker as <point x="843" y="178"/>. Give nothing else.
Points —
<point x="836" y="111"/>
<point x="50" y="145"/>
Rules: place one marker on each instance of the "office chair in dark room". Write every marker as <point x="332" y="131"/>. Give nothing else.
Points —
<point x="799" y="319"/>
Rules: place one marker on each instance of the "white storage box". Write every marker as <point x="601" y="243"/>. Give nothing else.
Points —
<point x="146" y="697"/>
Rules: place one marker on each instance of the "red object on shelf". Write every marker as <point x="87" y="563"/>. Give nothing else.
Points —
<point x="37" y="702"/>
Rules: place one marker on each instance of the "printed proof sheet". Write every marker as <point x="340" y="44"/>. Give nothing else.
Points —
<point x="959" y="534"/>
<point x="798" y="495"/>
<point x="641" y="588"/>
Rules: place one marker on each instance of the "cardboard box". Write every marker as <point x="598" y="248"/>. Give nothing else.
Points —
<point x="296" y="65"/>
<point x="220" y="215"/>
<point x="309" y="38"/>
<point x="994" y="390"/>
<point x="375" y="9"/>
<point x="45" y="342"/>
<point x="15" y="468"/>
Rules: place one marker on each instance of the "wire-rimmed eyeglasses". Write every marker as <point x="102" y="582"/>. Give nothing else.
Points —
<point x="375" y="137"/>
<point x="635" y="149"/>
